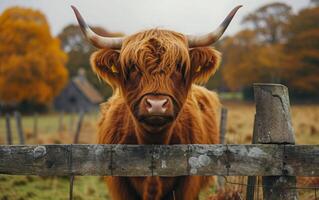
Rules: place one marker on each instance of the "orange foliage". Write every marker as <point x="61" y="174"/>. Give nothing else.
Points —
<point x="238" y="52"/>
<point x="246" y="61"/>
<point x="31" y="61"/>
<point x="303" y="51"/>
<point x="291" y="57"/>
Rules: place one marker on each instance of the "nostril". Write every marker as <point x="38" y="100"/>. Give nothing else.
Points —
<point x="148" y="103"/>
<point x="165" y="103"/>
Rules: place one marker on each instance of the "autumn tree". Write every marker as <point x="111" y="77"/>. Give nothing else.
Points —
<point x="302" y="50"/>
<point x="314" y="2"/>
<point x="238" y="52"/>
<point x="256" y="53"/>
<point x="31" y="61"/>
<point x="270" y="22"/>
<point x="79" y="51"/>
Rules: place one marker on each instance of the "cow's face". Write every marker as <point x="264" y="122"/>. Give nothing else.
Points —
<point x="154" y="71"/>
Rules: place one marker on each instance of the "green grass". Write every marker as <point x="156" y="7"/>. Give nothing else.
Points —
<point x="57" y="188"/>
<point x="48" y="125"/>
<point x="51" y="188"/>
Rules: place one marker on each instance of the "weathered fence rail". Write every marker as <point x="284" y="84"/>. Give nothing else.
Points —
<point x="160" y="160"/>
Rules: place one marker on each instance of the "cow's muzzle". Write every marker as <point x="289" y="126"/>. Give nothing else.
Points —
<point x="156" y="110"/>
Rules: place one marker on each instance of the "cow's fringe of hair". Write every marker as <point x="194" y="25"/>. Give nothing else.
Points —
<point x="156" y="51"/>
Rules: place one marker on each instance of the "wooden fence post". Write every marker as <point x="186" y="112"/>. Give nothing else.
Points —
<point x="71" y="122"/>
<point x="35" y="125"/>
<point x="273" y="126"/>
<point x="8" y="127"/>
<point x="60" y="126"/>
<point x="223" y="125"/>
<point x="222" y="139"/>
<point x="251" y="181"/>
<point x="76" y="140"/>
<point x="17" y="115"/>
<point x="78" y="128"/>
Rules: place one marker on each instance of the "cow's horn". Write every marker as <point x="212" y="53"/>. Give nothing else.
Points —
<point x="212" y="37"/>
<point x="97" y="40"/>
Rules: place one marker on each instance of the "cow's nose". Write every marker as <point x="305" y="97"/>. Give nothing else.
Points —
<point x="156" y="106"/>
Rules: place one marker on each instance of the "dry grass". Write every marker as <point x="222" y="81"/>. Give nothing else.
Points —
<point x="226" y="194"/>
<point x="240" y="123"/>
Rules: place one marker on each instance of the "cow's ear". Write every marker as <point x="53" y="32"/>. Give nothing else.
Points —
<point x="105" y="63"/>
<point x="204" y="63"/>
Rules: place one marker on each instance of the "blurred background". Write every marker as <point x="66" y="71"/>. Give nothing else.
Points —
<point x="46" y="83"/>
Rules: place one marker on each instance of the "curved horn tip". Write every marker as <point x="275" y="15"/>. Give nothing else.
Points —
<point x="75" y="10"/>
<point x="97" y="40"/>
<point x="230" y="16"/>
<point x="79" y="18"/>
<point x="212" y="37"/>
<point x="237" y="8"/>
<point x="234" y="11"/>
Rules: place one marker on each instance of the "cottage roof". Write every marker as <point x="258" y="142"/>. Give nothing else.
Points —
<point x="87" y="89"/>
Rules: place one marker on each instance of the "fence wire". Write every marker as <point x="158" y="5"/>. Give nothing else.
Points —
<point x="235" y="188"/>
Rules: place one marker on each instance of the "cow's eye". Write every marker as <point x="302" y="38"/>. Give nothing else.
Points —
<point x="134" y="73"/>
<point x="177" y="75"/>
<point x="180" y="68"/>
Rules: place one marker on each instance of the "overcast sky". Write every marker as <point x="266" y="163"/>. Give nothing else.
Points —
<point x="129" y="16"/>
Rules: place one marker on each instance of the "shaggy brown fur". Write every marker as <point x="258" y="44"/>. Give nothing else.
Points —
<point x="158" y="62"/>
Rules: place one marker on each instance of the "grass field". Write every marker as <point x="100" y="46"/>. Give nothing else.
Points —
<point x="239" y="131"/>
<point x="305" y="120"/>
<point x="50" y="130"/>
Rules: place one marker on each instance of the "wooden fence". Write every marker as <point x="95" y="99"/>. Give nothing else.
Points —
<point x="272" y="155"/>
<point x="160" y="160"/>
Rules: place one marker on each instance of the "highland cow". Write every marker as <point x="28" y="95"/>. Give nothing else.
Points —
<point x="156" y="100"/>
